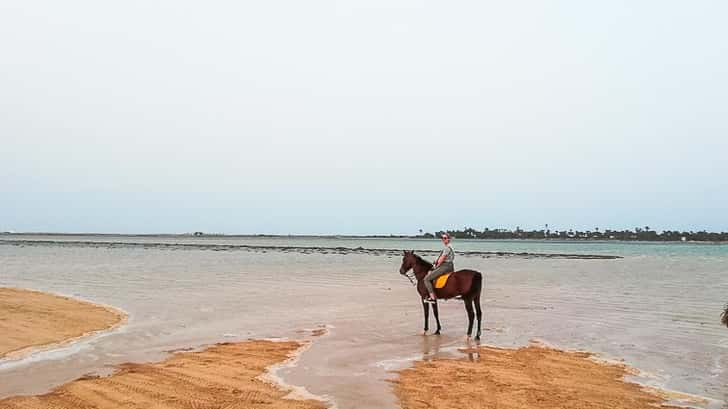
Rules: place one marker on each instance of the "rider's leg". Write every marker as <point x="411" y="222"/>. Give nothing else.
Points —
<point x="428" y="282"/>
<point x="432" y="275"/>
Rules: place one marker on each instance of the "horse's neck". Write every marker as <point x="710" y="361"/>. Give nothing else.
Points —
<point x="421" y="269"/>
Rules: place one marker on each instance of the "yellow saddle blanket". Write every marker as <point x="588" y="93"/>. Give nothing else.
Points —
<point x="442" y="280"/>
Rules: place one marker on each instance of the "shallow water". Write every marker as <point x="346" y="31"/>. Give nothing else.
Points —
<point x="657" y="307"/>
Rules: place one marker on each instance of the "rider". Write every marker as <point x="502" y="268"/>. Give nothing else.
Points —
<point x="443" y="265"/>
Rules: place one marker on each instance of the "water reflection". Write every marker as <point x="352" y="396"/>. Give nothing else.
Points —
<point x="436" y="347"/>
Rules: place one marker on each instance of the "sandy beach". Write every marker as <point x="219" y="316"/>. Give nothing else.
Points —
<point x="530" y="377"/>
<point x="223" y="376"/>
<point x="31" y="320"/>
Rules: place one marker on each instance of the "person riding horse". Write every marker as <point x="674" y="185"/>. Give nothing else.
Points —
<point x="443" y="265"/>
<point x="466" y="284"/>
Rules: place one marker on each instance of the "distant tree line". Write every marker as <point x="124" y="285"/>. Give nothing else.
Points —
<point x="638" y="234"/>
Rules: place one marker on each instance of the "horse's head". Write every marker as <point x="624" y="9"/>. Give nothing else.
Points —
<point x="409" y="260"/>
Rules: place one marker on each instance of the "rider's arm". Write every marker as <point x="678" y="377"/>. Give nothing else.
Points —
<point x="440" y="259"/>
<point x="443" y="256"/>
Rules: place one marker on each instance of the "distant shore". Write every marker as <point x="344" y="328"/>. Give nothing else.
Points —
<point x="576" y="239"/>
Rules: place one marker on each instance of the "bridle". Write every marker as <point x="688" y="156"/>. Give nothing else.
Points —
<point x="410" y="274"/>
<point x="410" y="277"/>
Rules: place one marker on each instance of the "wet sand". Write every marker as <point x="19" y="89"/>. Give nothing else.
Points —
<point x="529" y="377"/>
<point x="31" y="320"/>
<point x="230" y="375"/>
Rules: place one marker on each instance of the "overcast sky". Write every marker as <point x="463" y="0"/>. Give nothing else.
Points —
<point x="362" y="116"/>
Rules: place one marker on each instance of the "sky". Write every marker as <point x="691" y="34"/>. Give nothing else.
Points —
<point x="362" y="117"/>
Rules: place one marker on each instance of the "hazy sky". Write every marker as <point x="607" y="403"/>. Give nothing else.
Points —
<point x="362" y="116"/>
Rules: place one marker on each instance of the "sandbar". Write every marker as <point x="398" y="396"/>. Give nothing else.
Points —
<point x="32" y="320"/>
<point x="532" y="377"/>
<point x="229" y="375"/>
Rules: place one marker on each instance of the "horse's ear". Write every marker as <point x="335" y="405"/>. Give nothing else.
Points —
<point x="405" y="252"/>
<point x="412" y="251"/>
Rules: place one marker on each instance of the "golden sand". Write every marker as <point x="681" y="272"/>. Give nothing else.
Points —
<point x="531" y="377"/>
<point x="223" y="376"/>
<point x="31" y="319"/>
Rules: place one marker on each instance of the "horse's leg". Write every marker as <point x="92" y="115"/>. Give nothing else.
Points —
<point x="478" y="313"/>
<point x="471" y="315"/>
<point x="437" y="317"/>
<point x="426" y="307"/>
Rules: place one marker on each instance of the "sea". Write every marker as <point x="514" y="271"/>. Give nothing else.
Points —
<point x="653" y="306"/>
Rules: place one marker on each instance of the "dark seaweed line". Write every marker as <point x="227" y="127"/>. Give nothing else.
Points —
<point x="299" y="249"/>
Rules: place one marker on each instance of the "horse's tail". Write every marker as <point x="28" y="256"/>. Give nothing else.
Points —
<point x="724" y="316"/>
<point x="477" y="285"/>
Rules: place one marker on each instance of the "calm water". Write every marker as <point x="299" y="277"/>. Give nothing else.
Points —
<point x="657" y="308"/>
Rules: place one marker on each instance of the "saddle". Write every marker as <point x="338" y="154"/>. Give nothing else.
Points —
<point x="442" y="280"/>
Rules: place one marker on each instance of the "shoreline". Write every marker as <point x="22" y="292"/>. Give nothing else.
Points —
<point x="297" y="392"/>
<point x="220" y="374"/>
<point x="113" y="319"/>
<point x="186" y="380"/>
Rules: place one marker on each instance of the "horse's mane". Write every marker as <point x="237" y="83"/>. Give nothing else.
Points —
<point x="421" y="260"/>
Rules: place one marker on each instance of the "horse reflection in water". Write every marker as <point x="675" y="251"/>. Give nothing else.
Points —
<point x="435" y="347"/>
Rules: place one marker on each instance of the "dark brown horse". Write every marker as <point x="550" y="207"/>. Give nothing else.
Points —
<point x="462" y="283"/>
<point x="724" y="316"/>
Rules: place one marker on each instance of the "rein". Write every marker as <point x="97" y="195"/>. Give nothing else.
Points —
<point x="407" y="274"/>
<point x="411" y="273"/>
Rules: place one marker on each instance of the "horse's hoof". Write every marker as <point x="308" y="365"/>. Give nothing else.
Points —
<point x="437" y="332"/>
<point x="424" y="332"/>
<point x="477" y="338"/>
